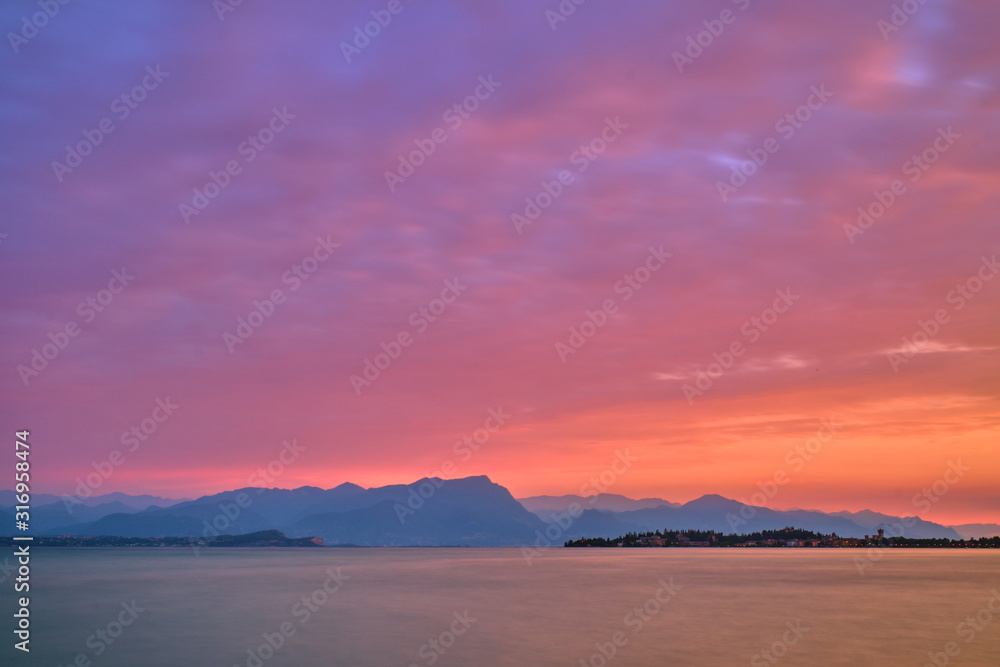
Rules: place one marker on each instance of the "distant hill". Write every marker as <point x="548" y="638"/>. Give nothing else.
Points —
<point x="141" y="502"/>
<point x="49" y="512"/>
<point x="472" y="511"/>
<point x="546" y="506"/>
<point x="975" y="531"/>
<point x="430" y="512"/>
<point x="714" y="512"/>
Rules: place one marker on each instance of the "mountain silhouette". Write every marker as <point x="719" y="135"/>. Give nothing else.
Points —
<point x="472" y="511"/>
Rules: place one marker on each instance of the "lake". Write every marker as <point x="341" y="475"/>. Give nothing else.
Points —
<point x="271" y="607"/>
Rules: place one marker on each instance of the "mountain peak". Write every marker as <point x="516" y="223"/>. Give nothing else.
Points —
<point x="484" y="479"/>
<point x="712" y="498"/>
<point x="713" y="502"/>
<point x="476" y="480"/>
<point x="348" y="487"/>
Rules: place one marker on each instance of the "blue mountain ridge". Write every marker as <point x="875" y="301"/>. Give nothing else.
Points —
<point x="471" y="511"/>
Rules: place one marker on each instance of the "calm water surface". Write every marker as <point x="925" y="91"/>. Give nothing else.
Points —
<point x="726" y="606"/>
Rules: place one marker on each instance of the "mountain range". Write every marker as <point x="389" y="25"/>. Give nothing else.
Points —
<point x="472" y="511"/>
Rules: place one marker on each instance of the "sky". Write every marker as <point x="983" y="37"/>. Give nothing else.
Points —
<point x="504" y="213"/>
